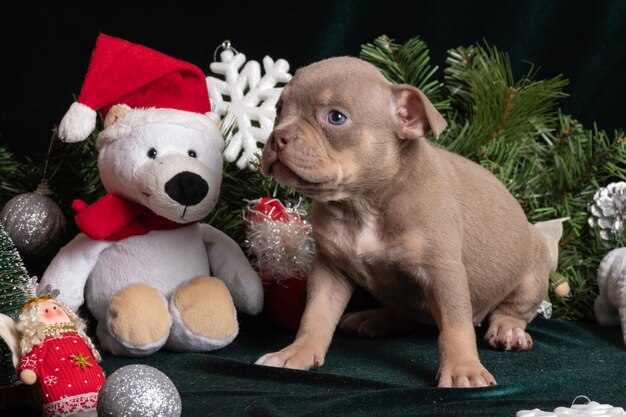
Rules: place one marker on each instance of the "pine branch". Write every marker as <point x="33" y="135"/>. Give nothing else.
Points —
<point x="460" y="63"/>
<point x="496" y="107"/>
<point x="8" y="166"/>
<point x="406" y="64"/>
<point x="382" y="53"/>
<point x="73" y="172"/>
<point x="15" y="177"/>
<point x="576" y="163"/>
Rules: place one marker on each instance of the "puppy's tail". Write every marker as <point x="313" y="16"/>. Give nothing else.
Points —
<point x="551" y="231"/>
<point x="9" y="334"/>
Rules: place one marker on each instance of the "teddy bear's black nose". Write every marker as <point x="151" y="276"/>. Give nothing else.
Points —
<point x="187" y="188"/>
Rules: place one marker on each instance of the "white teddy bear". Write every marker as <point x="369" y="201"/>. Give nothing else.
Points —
<point x="143" y="265"/>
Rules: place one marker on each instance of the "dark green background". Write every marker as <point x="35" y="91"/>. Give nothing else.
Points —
<point x="45" y="46"/>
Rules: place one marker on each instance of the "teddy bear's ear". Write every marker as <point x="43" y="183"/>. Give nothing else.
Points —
<point x="115" y="113"/>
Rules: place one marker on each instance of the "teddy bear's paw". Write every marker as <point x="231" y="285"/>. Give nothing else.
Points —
<point x="204" y="315"/>
<point x="138" y="318"/>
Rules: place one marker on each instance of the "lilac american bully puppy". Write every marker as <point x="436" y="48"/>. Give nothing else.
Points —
<point x="433" y="236"/>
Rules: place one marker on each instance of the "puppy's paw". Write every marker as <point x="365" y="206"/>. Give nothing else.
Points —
<point x="508" y="337"/>
<point x="295" y="356"/>
<point x="464" y="374"/>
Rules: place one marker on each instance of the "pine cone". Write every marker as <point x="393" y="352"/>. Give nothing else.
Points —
<point x="607" y="211"/>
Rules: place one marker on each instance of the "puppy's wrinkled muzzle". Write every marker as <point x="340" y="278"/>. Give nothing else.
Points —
<point x="281" y="138"/>
<point x="276" y="143"/>
<point x="268" y="157"/>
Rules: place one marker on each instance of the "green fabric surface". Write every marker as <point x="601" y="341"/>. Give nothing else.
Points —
<point x="395" y="376"/>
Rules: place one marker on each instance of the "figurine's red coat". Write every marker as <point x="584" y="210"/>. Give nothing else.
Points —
<point x="64" y="386"/>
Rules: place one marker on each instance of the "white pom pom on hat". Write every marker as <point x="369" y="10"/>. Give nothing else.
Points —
<point x="121" y="72"/>
<point x="78" y="123"/>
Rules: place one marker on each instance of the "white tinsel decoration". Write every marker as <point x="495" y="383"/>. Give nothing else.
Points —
<point x="608" y="211"/>
<point x="246" y="102"/>
<point x="280" y="249"/>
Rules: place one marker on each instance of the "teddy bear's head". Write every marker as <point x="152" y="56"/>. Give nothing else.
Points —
<point x="167" y="160"/>
<point x="159" y="146"/>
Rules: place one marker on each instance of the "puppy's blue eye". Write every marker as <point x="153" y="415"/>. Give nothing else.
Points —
<point x="336" y="118"/>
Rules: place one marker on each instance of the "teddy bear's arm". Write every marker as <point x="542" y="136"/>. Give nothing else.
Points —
<point x="70" y="268"/>
<point x="229" y="263"/>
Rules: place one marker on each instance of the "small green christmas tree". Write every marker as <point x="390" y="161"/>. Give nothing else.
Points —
<point x="14" y="284"/>
<point x="14" y="279"/>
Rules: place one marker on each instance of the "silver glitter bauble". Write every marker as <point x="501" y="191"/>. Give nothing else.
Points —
<point x="138" y="391"/>
<point x="34" y="222"/>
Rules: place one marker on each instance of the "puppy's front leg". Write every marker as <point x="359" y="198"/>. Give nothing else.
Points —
<point x="327" y="298"/>
<point x="450" y="304"/>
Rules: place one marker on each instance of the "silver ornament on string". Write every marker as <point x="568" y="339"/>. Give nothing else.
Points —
<point x="608" y="211"/>
<point x="34" y="222"/>
<point x="138" y="391"/>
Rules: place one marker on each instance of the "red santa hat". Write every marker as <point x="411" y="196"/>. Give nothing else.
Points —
<point x="121" y="72"/>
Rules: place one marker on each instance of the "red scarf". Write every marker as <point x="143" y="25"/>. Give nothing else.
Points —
<point x="114" y="218"/>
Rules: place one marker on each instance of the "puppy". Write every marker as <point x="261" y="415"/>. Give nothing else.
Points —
<point x="433" y="236"/>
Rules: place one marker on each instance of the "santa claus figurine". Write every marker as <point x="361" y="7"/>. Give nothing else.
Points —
<point x="60" y="357"/>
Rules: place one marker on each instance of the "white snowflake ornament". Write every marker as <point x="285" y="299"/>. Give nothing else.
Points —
<point x="246" y="102"/>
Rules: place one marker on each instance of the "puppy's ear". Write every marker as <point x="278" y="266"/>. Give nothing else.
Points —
<point x="115" y="113"/>
<point x="414" y="114"/>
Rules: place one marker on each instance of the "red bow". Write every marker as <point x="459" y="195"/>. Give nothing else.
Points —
<point x="114" y="218"/>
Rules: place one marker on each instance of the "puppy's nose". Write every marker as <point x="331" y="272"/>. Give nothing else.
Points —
<point x="187" y="188"/>
<point x="282" y="138"/>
